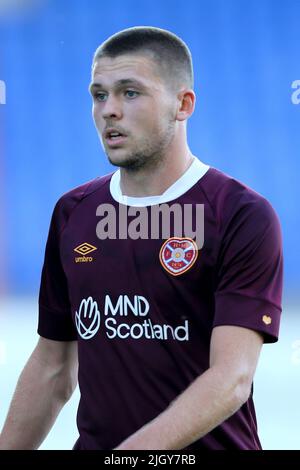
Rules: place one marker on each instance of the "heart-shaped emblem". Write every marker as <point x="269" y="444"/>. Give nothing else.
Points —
<point x="177" y="255"/>
<point x="267" y="320"/>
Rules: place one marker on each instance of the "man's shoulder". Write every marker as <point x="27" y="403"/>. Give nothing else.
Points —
<point x="229" y="196"/>
<point x="220" y="185"/>
<point x="86" y="189"/>
<point x="71" y="199"/>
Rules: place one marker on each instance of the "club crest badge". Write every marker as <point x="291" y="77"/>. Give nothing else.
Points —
<point x="177" y="255"/>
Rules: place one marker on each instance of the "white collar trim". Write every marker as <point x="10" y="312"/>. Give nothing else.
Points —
<point x="192" y="175"/>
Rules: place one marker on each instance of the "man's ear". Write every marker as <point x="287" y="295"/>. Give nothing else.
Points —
<point x="186" y="100"/>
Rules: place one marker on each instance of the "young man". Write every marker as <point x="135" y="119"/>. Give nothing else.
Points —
<point x="167" y="329"/>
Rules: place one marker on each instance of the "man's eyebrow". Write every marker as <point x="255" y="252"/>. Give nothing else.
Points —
<point x="118" y="84"/>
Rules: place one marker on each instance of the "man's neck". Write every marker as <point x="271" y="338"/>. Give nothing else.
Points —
<point x="155" y="181"/>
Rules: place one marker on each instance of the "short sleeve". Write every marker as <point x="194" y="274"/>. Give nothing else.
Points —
<point x="55" y="320"/>
<point x="250" y="266"/>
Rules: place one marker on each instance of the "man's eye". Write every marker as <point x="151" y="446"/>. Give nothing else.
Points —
<point x="131" y="93"/>
<point x="100" y="96"/>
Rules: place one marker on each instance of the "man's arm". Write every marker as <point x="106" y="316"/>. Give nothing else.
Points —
<point x="44" y="386"/>
<point x="212" y="398"/>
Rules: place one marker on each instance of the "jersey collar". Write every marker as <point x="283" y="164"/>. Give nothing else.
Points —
<point x="192" y="175"/>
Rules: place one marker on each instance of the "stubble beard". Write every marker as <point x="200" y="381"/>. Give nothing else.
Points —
<point x="149" y="155"/>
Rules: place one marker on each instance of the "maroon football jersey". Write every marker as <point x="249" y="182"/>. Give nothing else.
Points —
<point x="142" y="308"/>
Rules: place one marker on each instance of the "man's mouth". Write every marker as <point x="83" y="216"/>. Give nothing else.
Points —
<point x="114" y="137"/>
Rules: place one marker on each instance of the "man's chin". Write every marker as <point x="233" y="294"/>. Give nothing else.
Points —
<point x="124" y="162"/>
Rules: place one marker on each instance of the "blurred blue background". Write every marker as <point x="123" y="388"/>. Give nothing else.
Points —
<point x="246" y="123"/>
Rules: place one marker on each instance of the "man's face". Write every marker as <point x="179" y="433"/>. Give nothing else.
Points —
<point x="133" y="109"/>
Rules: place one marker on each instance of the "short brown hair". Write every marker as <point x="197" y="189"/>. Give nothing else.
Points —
<point x="168" y="51"/>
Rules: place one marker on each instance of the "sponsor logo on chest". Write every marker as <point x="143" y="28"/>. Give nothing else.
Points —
<point x="113" y="320"/>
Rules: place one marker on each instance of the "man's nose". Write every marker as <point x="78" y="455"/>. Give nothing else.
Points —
<point x="112" y="108"/>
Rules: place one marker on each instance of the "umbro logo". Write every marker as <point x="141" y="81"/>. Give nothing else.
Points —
<point x="84" y="249"/>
